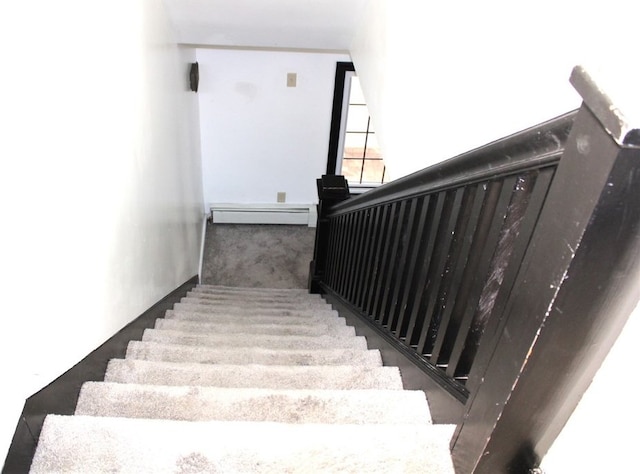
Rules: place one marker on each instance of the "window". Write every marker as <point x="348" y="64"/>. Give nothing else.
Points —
<point x="361" y="159"/>
<point x="353" y="146"/>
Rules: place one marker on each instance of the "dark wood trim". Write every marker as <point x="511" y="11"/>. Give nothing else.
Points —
<point x="577" y="286"/>
<point x="528" y="325"/>
<point x="445" y="407"/>
<point x="534" y="148"/>
<point x="611" y="116"/>
<point x="61" y="395"/>
<point x="336" y="114"/>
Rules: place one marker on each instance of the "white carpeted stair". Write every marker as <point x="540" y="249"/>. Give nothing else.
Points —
<point x="237" y="380"/>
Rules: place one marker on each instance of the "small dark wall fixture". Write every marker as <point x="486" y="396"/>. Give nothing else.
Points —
<point x="194" y="76"/>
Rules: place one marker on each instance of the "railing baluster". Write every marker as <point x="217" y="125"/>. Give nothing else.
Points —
<point x="367" y="267"/>
<point x="406" y="241"/>
<point x="344" y="239"/>
<point x="455" y="262"/>
<point x="429" y="341"/>
<point x="432" y="306"/>
<point x="467" y="340"/>
<point x="393" y="263"/>
<point x="356" y="257"/>
<point x="402" y="251"/>
<point x="370" y="290"/>
<point x="349" y="254"/>
<point x="330" y="266"/>
<point x="344" y="266"/>
<point x="477" y="268"/>
<point x="385" y="260"/>
<point x="434" y="216"/>
<point x="333" y="267"/>
<point x="404" y="304"/>
<point x="360" y="251"/>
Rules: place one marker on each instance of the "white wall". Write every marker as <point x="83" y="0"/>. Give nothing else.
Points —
<point x="599" y="437"/>
<point x="260" y="137"/>
<point x="101" y="191"/>
<point x="311" y="24"/>
<point x="441" y="80"/>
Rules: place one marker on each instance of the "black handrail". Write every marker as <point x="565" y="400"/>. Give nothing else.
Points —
<point x="529" y="149"/>
<point x="419" y="256"/>
<point x="506" y="273"/>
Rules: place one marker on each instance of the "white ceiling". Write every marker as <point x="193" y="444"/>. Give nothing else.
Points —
<point x="295" y="24"/>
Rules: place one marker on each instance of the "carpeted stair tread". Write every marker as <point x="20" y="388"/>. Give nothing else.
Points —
<point x="253" y="376"/>
<point x="271" y="304"/>
<point x="257" y="298"/>
<point x="265" y="341"/>
<point x="249" y="404"/>
<point x="203" y="316"/>
<point x="198" y="293"/>
<point x="129" y="445"/>
<point x="247" y="380"/>
<point x="253" y="310"/>
<point x="255" y="295"/>
<point x="163" y="352"/>
<point x="248" y="294"/>
<point x="309" y="329"/>
<point x="255" y="292"/>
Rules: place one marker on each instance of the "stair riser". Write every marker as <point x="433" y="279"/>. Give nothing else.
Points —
<point x="188" y="316"/>
<point x="306" y="298"/>
<point x="287" y="305"/>
<point x="213" y="309"/>
<point x="238" y="376"/>
<point x="282" y="406"/>
<point x="255" y="340"/>
<point x="274" y="329"/>
<point x="251" y="292"/>
<point x="247" y="380"/>
<point x="159" y="352"/>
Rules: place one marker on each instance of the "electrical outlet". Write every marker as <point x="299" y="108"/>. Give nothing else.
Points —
<point x="282" y="197"/>
<point x="292" y="79"/>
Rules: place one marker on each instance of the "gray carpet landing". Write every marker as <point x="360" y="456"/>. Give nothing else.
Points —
<point x="246" y="380"/>
<point x="257" y="255"/>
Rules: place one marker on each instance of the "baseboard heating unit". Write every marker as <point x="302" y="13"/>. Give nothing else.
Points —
<point x="296" y="214"/>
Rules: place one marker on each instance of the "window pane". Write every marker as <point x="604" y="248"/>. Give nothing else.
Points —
<point x="353" y="145"/>
<point x="351" y="170"/>
<point x="360" y="138"/>
<point x="373" y="171"/>
<point x="373" y="149"/>
<point x="357" y="118"/>
<point x="355" y="94"/>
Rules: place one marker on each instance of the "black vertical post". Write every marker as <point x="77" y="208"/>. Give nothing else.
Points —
<point x="331" y="189"/>
<point x="577" y="286"/>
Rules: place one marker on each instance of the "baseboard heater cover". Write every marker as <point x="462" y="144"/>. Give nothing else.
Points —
<point x="296" y="214"/>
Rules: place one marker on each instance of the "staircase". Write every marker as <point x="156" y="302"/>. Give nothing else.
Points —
<point x="247" y="380"/>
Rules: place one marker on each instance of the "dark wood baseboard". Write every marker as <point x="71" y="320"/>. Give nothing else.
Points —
<point x="61" y="395"/>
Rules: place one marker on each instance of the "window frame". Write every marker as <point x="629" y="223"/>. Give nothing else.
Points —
<point x="345" y="71"/>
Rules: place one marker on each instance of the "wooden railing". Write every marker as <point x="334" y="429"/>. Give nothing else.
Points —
<point x="468" y="266"/>
<point x="430" y="258"/>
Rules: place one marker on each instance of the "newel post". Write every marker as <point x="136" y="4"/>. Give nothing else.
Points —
<point x="331" y="189"/>
<point x="577" y="285"/>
